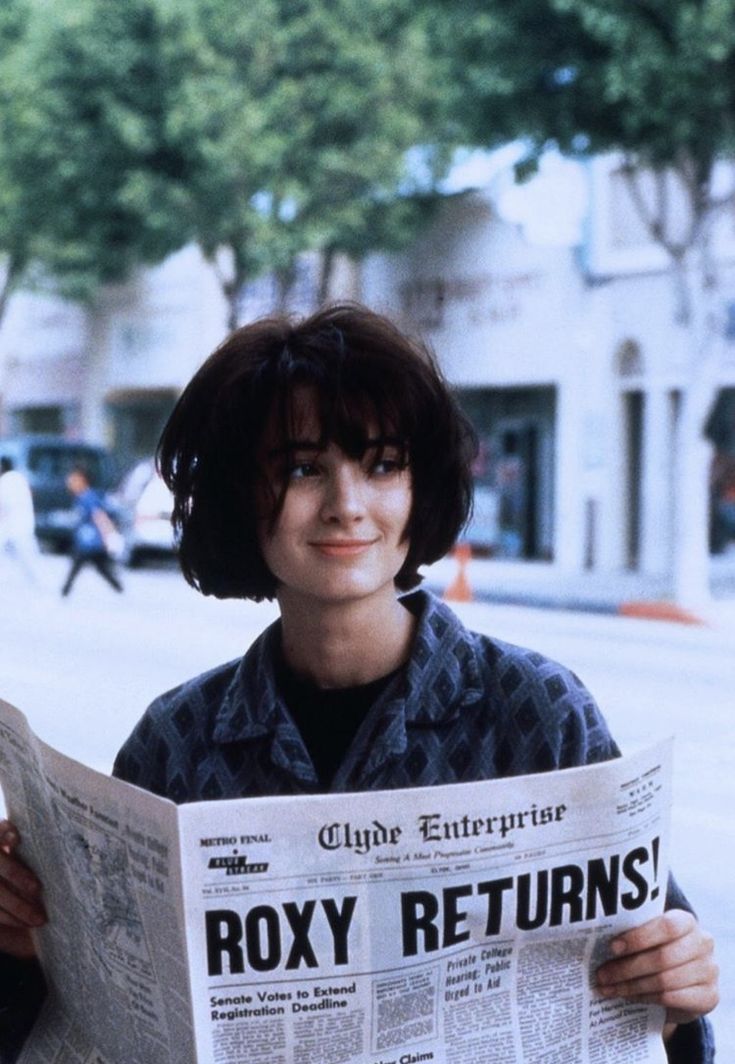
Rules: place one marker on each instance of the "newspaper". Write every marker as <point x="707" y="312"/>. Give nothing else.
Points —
<point x="460" y="924"/>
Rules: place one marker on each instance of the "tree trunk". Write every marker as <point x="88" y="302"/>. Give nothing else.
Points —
<point x="697" y="310"/>
<point x="13" y="270"/>
<point x="231" y="289"/>
<point x="231" y="293"/>
<point x="691" y="561"/>
<point x="693" y="453"/>
<point x="285" y="278"/>
<point x="230" y="274"/>
<point x="326" y="268"/>
<point x="93" y="417"/>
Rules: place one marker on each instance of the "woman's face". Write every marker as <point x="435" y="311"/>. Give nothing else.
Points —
<point x="340" y="533"/>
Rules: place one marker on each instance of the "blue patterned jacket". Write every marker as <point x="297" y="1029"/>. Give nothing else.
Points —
<point x="466" y="707"/>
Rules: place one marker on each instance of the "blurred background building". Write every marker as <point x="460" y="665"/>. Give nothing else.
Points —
<point x="556" y="329"/>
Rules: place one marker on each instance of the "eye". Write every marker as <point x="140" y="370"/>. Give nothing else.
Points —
<point x="386" y="466"/>
<point x="301" y="470"/>
<point x="388" y="462"/>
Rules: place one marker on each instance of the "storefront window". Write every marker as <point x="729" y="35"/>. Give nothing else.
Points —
<point x="513" y="504"/>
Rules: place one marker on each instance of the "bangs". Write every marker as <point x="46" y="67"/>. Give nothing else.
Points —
<point x="311" y="409"/>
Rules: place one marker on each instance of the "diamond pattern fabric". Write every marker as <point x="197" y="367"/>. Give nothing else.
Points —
<point x="466" y="707"/>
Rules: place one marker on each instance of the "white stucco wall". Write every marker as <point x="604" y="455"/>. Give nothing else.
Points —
<point x="514" y="314"/>
<point x="509" y="308"/>
<point x="42" y="346"/>
<point x="161" y="326"/>
<point x="502" y="312"/>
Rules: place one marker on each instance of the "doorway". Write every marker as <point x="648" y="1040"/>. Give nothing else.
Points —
<point x="514" y="471"/>
<point x="633" y="444"/>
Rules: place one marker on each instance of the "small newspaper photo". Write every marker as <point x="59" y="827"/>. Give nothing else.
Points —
<point x="458" y="924"/>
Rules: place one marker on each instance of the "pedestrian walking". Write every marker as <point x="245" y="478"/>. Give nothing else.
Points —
<point x="93" y="533"/>
<point x="321" y="462"/>
<point x="17" y="520"/>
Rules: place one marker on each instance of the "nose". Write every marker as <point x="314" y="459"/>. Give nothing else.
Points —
<point x="344" y="495"/>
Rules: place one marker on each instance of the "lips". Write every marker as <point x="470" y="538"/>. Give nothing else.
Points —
<point x="342" y="548"/>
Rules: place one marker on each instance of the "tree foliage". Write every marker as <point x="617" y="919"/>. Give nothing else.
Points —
<point x="260" y="130"/>
<point x="357" y="78"/>
<point x="300" y="115"/>
<point x="20" y="203"/>
<point x="653" y="77"/>
<point x="89" y="162"/>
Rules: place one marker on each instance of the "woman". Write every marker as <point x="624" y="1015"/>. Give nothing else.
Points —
<point x="321" y="463"/>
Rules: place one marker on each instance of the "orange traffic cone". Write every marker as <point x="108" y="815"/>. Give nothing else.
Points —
<point x="459" y="590"/>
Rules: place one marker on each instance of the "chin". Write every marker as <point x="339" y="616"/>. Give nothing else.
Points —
<point x="345" y="591"/>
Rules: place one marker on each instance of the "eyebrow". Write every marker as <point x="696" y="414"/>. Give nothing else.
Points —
<point x="294" y="445"/>
<point x="372" y="443"/>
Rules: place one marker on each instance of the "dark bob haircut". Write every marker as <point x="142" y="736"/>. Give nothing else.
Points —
<point x="364" y="372"/>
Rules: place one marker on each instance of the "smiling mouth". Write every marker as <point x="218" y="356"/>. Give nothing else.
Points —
<point x="342" y="548"/>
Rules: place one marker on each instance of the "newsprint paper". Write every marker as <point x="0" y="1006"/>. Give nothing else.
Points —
<point x="453" y="925"/>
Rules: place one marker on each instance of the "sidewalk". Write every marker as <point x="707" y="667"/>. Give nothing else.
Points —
<point x="542" y="585"/>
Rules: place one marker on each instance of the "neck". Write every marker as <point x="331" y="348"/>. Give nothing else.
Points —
<point x="345" y="644"/>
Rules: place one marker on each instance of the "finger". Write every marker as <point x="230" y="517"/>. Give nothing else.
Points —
<point x="17" y="911"/>
<point x="682" y="1006"/>
<point x="697" y="973"/>
<point x="20" y="891"/>
<point x="657" y="932"/>
<point x="18" y="875"/>
<point x="681" y="951"/>
<point x="9" y="836"/>
<point x="18" y="943"/>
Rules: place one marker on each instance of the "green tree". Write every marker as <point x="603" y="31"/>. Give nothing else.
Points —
<point x="300" y="115"/>
<point x="17" y="214"/>
<point x="92" y="180"/>
<point x="654" y="80"/>
<point x="356" y="89"/>
<point x="221" y="114"/>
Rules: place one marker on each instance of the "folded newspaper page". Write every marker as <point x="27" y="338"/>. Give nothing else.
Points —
<point x="454" y="925"/>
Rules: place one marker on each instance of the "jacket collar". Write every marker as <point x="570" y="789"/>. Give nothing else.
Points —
<point x="443" y="672"/>
<point x="442" y="675"/>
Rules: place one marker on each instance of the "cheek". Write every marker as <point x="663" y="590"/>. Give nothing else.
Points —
<point x="267" y="528"/>
<point x="274" y="550"/>
<point x="266" y="499"/>
<point x="279" y="538"/>
<point x="397" y="512"/>
<point x="406" y="507"/>
<point x="405" y="522"/>
<point x="264" y="529"/>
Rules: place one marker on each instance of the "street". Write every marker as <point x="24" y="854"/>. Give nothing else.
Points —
<point x="83" y="669"/>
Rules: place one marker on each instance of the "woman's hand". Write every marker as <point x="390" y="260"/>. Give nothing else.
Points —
<point x="20" y="898"/>
<point x="667" y="961"/>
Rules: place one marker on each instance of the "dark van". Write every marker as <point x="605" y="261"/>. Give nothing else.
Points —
<point x="46" y="461"/>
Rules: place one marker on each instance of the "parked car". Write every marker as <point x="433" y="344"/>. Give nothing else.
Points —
<point x="46" y="461"/>
<point x="144" y="504"/>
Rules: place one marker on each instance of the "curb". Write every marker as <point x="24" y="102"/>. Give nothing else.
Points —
<point x="537" y="602"/>
<point x="659" y="611"/>
<point x="643" y="609"/>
